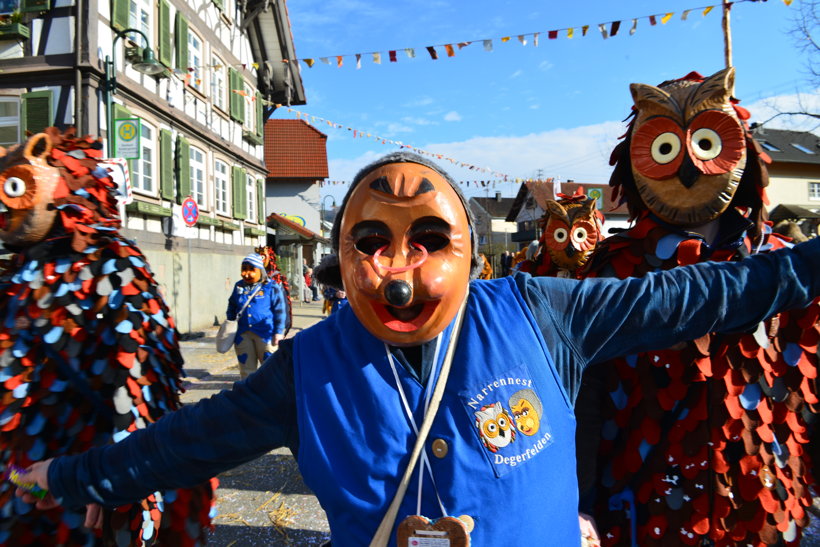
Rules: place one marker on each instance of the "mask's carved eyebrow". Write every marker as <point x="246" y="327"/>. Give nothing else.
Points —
<point x="381" y="184"/>
<point x="369" y="228"/>
<point x="430" y="224"/>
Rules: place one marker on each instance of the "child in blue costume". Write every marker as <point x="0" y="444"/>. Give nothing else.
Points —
<point x="348" y="394"/>
<point x="261" y="325"/>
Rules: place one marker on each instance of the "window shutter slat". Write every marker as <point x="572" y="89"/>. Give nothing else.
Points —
<point x="236" y="178"/>
<point x="242" y="206"/>
<point x="183" y="168"/>
<point x="37" y="111"/>
<point x="119" y="14"/>
<point x="182" y="42"/>
<point x="260" y="114"/>
<point x="165" y="41"/>
<point x="260" y="201"/>
<point x="166" y="156"/>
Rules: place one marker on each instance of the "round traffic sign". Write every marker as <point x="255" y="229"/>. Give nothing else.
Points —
<point x="190" y="211"/>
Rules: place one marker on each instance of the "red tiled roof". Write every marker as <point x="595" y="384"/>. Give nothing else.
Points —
<point x="295" y="149"/>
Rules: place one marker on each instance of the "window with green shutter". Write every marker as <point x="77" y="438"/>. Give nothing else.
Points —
<point x="181" y="35"/>
<point x="260" y="192"/>
<point x="119" y="14"/>
<point x="239" y="194"/>
<point x="34" y="6"/>
<point x="165" y="41"/>
<point x="37" y="112"/>
<point x="183" y="168"/>
<point x="260" y="115"/>
<point x="218" y="4"/>
<point x="237" y="84"/>
<point x="166" y="160"/>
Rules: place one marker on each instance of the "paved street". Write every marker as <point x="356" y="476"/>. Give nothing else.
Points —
<point x="263" y="502"/>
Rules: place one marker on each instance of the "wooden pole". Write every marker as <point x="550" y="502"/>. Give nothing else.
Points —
<point x="727" y="33"/>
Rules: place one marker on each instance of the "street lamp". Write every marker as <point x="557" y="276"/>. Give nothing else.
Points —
<point x="322" y="210"/>
<point x="148" y="64"/>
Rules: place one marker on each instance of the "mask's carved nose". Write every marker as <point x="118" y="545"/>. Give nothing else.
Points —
<point x="398" y="293"/>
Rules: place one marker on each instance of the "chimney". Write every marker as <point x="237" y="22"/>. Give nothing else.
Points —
<point x="498" y="196"/>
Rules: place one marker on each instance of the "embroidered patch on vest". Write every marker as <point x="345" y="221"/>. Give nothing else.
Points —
<point x="509" y="421"/>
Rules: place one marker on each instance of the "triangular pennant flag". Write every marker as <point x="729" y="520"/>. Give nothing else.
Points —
<point x="462" y="45"/>
<point x="339" y="60"/>
<point x="652" y="20"/>
<point x="377" y="58"/>
<point x="358" y="61"/>
<point x="450" y="51"/>
<point x="535" y="39"/>
<point x="665" y="19"/>
<point x="522" y="39"/>
<point x="613" y="30"/>
<point x="602" y="28"/>
<point x="634" y="27"/>
<point x="552" y="35"/>
<point x="584" y="30"/>
<point x="325" y="60"/>
<point x="432" y="51"/>
<point x="505" y="39"/>
<point x="684" y="15"/>
<point x="787" y="2"/>
<point x="488" y="45"/>
<point x="392" y="55"/>
<point x="707" y="10"/>
<point x="256" y="65"/>
<point x="570" y="32"/>
<point x="410" y="52"/>
<point x="309" y="62"/>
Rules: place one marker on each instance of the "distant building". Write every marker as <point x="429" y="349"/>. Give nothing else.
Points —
<point x="529" y="205"/>
<point x="794" y="176"/>
<point x="296" y="160"/>
<point x="197" y="79"/>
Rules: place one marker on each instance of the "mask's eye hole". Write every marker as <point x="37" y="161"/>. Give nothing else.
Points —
<point x="370" y="244"/>
<point x="14" y="187"/>
<point x="665" y="147"/>
<point x="579" y="235"/>
<point x="706" y="144"/>
<point x="431" y="241"/>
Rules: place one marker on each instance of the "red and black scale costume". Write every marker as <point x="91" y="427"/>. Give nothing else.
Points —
<point x="705" y="443"/>
<point x="88" y="353"/>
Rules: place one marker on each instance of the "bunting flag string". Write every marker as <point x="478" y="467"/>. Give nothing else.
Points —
<point x="607" y="29"/>
<point x="362" y="134"/>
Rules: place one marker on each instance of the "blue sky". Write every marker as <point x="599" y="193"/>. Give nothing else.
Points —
<point x="555" y="109"/>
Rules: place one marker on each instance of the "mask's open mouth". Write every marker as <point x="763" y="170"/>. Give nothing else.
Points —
<point x="405" y="319"/>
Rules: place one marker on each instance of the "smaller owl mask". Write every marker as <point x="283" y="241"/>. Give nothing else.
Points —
<point x="688" y="147"/>
<point x="572" y="229"/>
<point x="405" y="249"/>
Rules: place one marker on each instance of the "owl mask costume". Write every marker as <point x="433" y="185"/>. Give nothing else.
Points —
<point x="706" y="441"/>
<point x="88" y="350"/>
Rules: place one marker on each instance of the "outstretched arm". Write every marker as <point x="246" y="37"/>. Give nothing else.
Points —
<point x="187" y="446"/>
<point x="598" y="319"/>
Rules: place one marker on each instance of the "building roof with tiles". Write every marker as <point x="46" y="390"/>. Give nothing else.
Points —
<point x="294" y="149"/>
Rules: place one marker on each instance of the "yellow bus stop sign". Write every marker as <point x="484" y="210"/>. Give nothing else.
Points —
<point x="127" y="138"/>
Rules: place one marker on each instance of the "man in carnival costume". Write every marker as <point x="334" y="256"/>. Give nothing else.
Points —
<point x="497" y="426"/>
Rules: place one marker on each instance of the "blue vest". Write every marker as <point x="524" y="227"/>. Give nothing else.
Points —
<point x="518" y="484"/>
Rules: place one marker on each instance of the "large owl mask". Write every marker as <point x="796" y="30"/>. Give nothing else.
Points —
<point x="688" y="148"/>
<point x="405" y="249"/>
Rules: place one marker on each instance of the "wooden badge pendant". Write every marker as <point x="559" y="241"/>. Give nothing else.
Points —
<point x="418" y="531"/>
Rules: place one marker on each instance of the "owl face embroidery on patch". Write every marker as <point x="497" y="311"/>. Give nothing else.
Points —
<point x="495" y="427"/>
<point x="688" y="148"/>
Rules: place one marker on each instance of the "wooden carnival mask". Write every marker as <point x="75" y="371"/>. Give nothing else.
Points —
<point x="687" y="147"/>
<point x="27" y="185"/>
<point x="405" y="252"/>
<point x="571" y="231"/>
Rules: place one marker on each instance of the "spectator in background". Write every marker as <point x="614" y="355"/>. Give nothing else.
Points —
<point x="506" y="263"/>
<point x="261" y="324"/>
<point x="334" y="299"/>
<point x="311" y="290"/>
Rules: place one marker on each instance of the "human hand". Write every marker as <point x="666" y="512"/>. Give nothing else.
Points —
<point x="589" y="532"/>
<point x="93" y="516"/>
<point x="277" y="338"/>
<point x="35" y="474"/>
